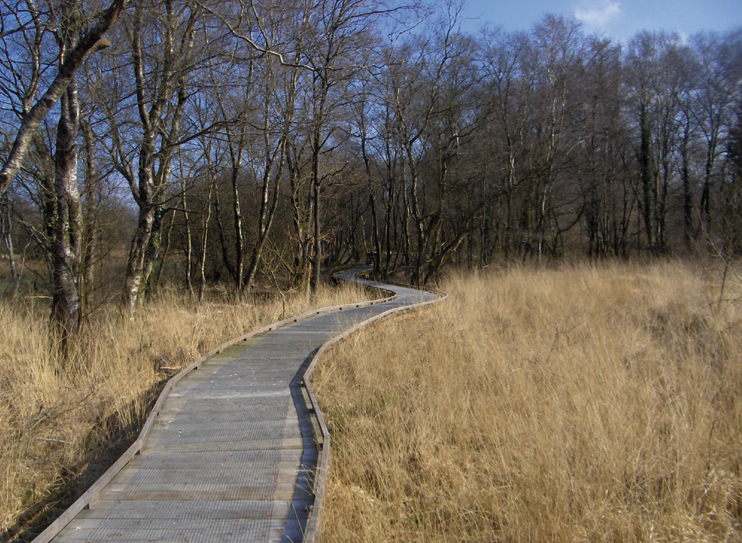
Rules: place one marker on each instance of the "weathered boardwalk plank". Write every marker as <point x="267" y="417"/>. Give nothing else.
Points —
<point x="231" y="454"/>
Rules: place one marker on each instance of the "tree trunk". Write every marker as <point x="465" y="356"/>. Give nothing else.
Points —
<point x="265" y="220"/>
<point x="135" y="262"/>
<point x="222" y="236"/>
<point x="48" y="201"/>
<point x="375" y="234"/>
<point x="239" y="243"/>
<point x="204" y="241"/>
<point x="298" y="223"/>
<point x="687" y="189"/>
<point x="189" y="240"/>
<point x="706" y="191"/>
<point x="165" y="252"/>
<point x="91" y="226"/>
<point x="646" y="175"/>
<point x="153" y="252"/>
<point x="389" y="220"/>
<point x="68" y="227"/>
<point x="406" y="221"/>
<point x="268" y="200"/>
<point x="317" y="243"/>
<point x="422" y="239"/>
<point x="7" y="234"/>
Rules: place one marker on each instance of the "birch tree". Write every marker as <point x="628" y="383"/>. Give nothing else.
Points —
<point x="161" y="56"/>
<point x="27" y="20"/>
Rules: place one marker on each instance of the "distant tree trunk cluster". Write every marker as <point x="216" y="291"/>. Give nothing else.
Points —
<point x="209" y="142"/>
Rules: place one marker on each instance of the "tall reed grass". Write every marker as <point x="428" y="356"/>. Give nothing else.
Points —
<point x="590" y="403"/>
<point x="56" y="418"/>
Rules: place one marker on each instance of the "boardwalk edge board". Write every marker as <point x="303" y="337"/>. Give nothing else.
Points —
<point x="314" y="523"/>
<point x="90" y="497"/>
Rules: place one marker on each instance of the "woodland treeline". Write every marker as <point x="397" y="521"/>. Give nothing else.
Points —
<point x="208" y="142"/>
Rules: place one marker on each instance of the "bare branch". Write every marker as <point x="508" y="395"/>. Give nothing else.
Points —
<point x="74" y="59"/>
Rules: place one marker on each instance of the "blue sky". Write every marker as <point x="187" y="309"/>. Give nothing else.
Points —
<point x="617" y="19"/>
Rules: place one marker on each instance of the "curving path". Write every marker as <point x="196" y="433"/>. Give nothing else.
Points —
<point x="230" y="451"/>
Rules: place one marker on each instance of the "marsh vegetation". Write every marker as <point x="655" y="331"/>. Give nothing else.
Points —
<point x="585" y="403"/>
<point x="62" y="420"/>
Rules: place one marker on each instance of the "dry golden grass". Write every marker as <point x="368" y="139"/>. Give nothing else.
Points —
<point x="54" y="420"/>
<point x="580" y="404"/>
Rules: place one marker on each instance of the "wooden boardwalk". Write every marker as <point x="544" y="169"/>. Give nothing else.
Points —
<point x="232" y="451"/>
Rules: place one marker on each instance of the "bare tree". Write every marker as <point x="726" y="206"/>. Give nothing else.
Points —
<point x="237" y="140"/>
<point x="641" y="60"/>
<point x="506" y="94"/>
<point x="162" y="53"/>
<point x="277" y="122"/>
<point x="338" y="30"/>
<point x="68" y="224"/>
<point x="712" y="111"/>
<point x="429" y="92"/>
<point x="28" y="23"/>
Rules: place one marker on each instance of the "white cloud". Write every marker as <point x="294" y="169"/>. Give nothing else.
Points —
<point x="599" y="16"/>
